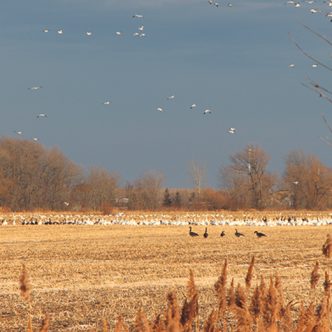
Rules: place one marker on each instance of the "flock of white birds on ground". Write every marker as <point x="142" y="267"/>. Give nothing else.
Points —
<point x="168" y="219"/>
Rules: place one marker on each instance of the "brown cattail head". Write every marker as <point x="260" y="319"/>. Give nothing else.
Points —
<point x="141" y="322"/>
<point x="173" y="310"/>
<point x="159" y="325"/>
<point x="250" y="273"/>
<point x="256" y="305"/>
<point x="222" y="280"/>
<point x="327" y="283"/>
<point x="24" y="284"/>
<point x="211" y="323"/>
<point x="192" y="290"/>
<point x="120" y="326"/>
<point x="46" y="324"/>
<point x="240" y="297"/>
<point x="314" y="278"/>
<point x="231" y="294"/>
<point x="327" y="247"/>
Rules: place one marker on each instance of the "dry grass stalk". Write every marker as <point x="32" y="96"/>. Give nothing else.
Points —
<point x="256" y="305"/>
<point x="220" y="288"/>
<point x="327" y="247"/>
<point x="240" y="297"/>
<point x="327" y="283"/>
<point x="141" y="322"/>
<point x="272" y="308"/>
<point x="231" y="294"/>
<point x="286" y="317"/>
<point x="314" y="278"/>
<point x="24" y="284"/>
<point x="262" y="286"/>
<point x="46" y="324"/>
<point x="244" y="320"/>
<point x="105" y="325"/>
<point x="250" y="273"/>
<point x="29" y="327"/>
<point x="120" y="326"/>
<point x="211" y="323"/>
<point x="172" y="313"/>
<point x="191" y="287"/>
<point x="159" y="325"/>
<point x="307" y="319"/>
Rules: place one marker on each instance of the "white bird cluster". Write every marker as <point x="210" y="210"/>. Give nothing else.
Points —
<point x="162" y="218"/>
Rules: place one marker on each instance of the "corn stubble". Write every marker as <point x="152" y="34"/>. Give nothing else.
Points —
<point x="240" y="309"/>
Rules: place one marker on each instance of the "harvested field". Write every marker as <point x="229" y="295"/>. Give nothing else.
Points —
<point x="79" y="274"/>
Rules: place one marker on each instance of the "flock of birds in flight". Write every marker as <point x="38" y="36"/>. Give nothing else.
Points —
<point x="140" y="33"/>
<point x="222" y="234"/>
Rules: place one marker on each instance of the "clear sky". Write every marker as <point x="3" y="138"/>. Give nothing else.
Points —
<point x="231" y="60"/>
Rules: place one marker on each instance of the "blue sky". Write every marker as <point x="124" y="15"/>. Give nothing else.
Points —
<point x="232" y="60"/>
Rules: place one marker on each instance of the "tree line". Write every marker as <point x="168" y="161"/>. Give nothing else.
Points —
<point x="33" y="177"/>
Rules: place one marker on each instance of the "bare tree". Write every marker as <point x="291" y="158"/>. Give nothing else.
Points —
<point x="146" y="192"/>
<point x="307" y="180"/>
<point x="198" y="174"/>
<point x="247" y="180"/>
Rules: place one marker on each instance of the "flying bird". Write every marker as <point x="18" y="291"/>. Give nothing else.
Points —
<point x="193" y="106"/>
<point x="35" y="139"/>
<point x="107" y="103"/>
<point x="18" y="132"/>
<point x="137" y="16"/>
<point x="41" y="115"/>
<point x="118" y="33"/>
<point x="45" y="30"/>
<point x="207" y="111"/>
<point x="141" y="28"/>
<point x="160" y="109"/>
<point x="88" y="33"/>
<point x="35" y="88"/>
<point x="171" y="97"/>
<point x="60" y="32"/>
<point x="292" y="65"/>
<point x="232" y="130"/>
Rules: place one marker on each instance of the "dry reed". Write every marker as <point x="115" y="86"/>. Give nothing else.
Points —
<point x="314" y="278"/>
<point x="327" y="247"/>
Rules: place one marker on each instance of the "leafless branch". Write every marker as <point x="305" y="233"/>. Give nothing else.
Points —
<point x="308" y="55"/>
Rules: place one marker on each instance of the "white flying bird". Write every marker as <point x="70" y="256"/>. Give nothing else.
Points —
<point x="171" y="97"/>
<point x="45" y="30"/>
<point x="232" y="130"/>
<point x="18" y="132"/>
<point x="88" y="33"/>
<point x="118" y="33"/>
<point x="60" y="32"/>
<point x="137" y="16"/>
<point x="35" y="139"/>
<point x="314" y="65"/>
<point x="41" y="115"/>
<point x="35" y="88"/>
<point x="136" y="34"/>
<point x="107" y="102"/>
<point x="193" y="106"/>
<point x="292" y="65"/>
<point x="142" y="35"/>
<point x="207" y="111"/>
<point x="160" y="109"/>
<point x="141" y="28"/>
<point x="66" y="203"/>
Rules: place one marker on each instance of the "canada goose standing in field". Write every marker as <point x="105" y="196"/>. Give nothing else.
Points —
<point x="259" y="234"/>
<point x="205" y="233"/>
<point x="191" y="233"/>
<point x="222" y="234"/>
<point x="238" y="234"/>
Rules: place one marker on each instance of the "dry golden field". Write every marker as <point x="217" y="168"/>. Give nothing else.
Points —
<point x="82" y="274"/>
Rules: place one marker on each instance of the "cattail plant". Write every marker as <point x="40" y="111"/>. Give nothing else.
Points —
<point x="250" y="273"/>
<point x="24" y="284"/>
<point x="327" y="247"/>
<point x="314" y="278"/>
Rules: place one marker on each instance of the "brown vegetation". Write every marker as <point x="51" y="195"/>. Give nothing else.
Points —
<point x="85" y="278"/>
